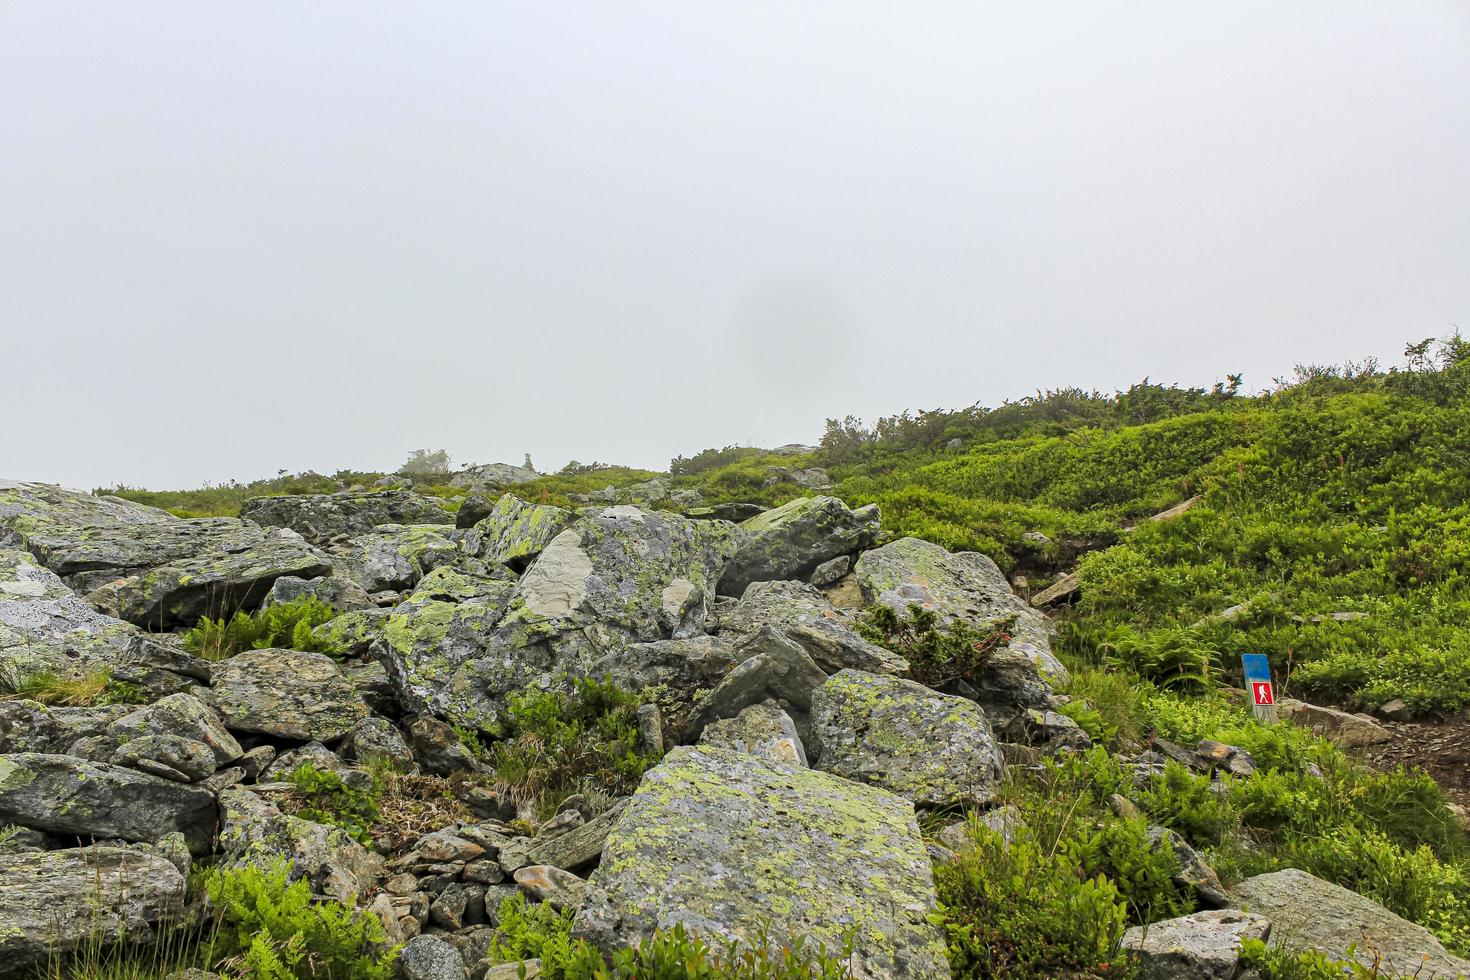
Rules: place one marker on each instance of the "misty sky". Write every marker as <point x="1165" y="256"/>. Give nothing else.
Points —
<point x="236" y="238"/>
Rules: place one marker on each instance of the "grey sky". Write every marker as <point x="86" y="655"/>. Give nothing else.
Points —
<point x="237" y="238"/>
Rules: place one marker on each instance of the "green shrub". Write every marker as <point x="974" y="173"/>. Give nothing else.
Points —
<point x="553" y="743"/>
<point x="274" y="930"/>
<point x="1182" y="801"/>
<point x="1019" y="911"/>
<point x="1274" y="963"/>
<point x="85" y="690"/>
<point x="538" y="931"/>
<point x="936" y="655"/>
<point x="326" y="799"/>
<point x="288" y="625"/>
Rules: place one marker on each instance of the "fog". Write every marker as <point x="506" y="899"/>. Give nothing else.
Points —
<point x="242" y="238"/>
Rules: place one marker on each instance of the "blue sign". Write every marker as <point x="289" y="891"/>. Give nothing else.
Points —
<point x="1257" y="667"/>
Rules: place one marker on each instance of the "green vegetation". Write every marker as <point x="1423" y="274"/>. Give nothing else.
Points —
<point x="936" y="655"/>
<point x="288" y="625"/>
<point x="538" y="931"/>
<point x="261" y="927"/>
<point x="325" y="798"/>
<point x="554" y="743"/>
<point x="94" y="688"/>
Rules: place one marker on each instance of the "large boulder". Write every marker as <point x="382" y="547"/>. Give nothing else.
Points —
<point x="790" y="541"/>
<point x="62" y="794"/>
<point x="1309" y="913"/>
<point x="322" y="517"/>
<point x="55" y="902"/>
<point x="1347" y="730"/>
<point x="805" y="615"/>
<point x="616" y="576"/>
<point x="931" y="748"/>
<point x="425" y="640"/>
<point x="494" y="474"/>
<point x="1202" y="946"/>
<point x="33" y="507"/>
<point x="286" y="693"/>
<point x="964" y="586"/>
<point x="235" y="572"/>
<point x="45" y="627"/>
<point x="730" y="845"/>
<point x="145" y="565"/>
<point x="397" y="556"/>
<point x="341" y="593"/>
<point x="254" y="832"/>
<point x="514" y="531"/>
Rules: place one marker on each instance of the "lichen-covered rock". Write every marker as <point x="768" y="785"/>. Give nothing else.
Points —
<point x="286" y="693"/>
<point x="396" y="556"/>
<point x="467" y="578"/>
<point x="730" y="845"/>
<point x="54" y="902"/>
<point x="321" y="517"/>
<point x="614" y="577"/>
<point x="670" y="671"/>
<point x="761" y="729"/>
<point x="514" y="531"/>
<point x="342" y="594"/>
<point x="1202" y="946"/>
<point x="65" y="795"/>
<point x="805" y="615"/>
<point x="183" y="760"/>
<point x="255" y="832"/>
<point x="1309" y="913"/>
<point x="769" y="667"/>
<point x="355" y="632"/>
<point x="790" y="541"/>
<point x="46" y="627"/>
<point x="183" y="715"/>
<point x="425" y="640"/>
<point x="560" y="889"/>
<point x="931" y="748"/>
<point x="235" y="573"/>
<point x="29" y="726"/>
<point x="375" y="740"/>
<point x="494" y="475"/>
<point x="964" y="586"/>
<point x="29" y="507"/>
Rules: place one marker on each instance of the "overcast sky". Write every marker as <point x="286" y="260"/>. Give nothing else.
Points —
<point x="236" y="238"/>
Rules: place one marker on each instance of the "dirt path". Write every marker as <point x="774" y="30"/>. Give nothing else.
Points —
<point x="1441" y="749"/>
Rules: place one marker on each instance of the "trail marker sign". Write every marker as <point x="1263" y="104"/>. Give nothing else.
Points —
<point x="1257" y="670"/>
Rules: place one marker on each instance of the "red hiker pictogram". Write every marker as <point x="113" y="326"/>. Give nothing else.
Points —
<point x="1262" y="692"/>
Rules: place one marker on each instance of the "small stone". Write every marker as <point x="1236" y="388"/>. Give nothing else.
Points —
<point x="561" y="889"/>
<point x="429" y="958"/>
<point x="1202" y="946"/>
<point x="401" y="884"/>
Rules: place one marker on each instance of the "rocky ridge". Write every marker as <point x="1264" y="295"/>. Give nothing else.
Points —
<point x="800" y="756"/>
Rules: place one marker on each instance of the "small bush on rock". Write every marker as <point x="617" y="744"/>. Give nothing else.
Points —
<point x="288" y="625"/>
<point x="327" y="799"/>
<point x="936" y="655"/>
<point x="554" y="743"/>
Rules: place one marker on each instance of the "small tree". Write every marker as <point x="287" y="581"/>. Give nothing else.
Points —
<point x="422" y="461"/>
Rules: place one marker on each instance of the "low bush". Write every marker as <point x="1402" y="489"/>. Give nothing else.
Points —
<point x="554" y="743"/>
<point x="288" y="625"/>
<point x="1018" y="910"/>
<point x="326" y="799"/>
<point x="85" y="690"/>
<point x="936" y="655"/>
<point x="269" y="928"/>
